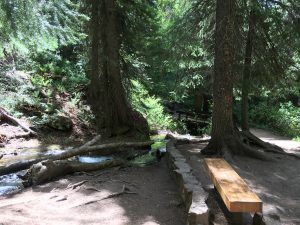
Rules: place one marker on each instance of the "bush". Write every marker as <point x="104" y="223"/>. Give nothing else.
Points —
<point x="150" y="107"/>
<point x="15" y="91"/>
<point x="284" y="118"/>
<point x="54" y="86"/>
<point x="61" y="73"/>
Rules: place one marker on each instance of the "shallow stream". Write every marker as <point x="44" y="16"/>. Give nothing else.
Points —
<point x="12" y="183"/>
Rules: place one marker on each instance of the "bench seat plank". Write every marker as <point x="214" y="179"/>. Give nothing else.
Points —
<point x="235" y="193"/>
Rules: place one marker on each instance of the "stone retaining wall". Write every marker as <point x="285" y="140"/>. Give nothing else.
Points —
<point x="191" y="191"/>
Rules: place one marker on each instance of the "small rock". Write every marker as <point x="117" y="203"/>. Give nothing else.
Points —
<point x="60" y="122"/>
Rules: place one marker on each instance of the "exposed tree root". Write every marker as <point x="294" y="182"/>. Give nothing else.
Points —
<point x="252" y="139"/>
<point x="92" y="189"/>
<point x="234" y="144"/>
<point x="64" y="198"/>
<point x="243" y="143"/>
<point x="231" y="144"/>
<point x="84" y="173"/>
<point x="76" y="185"/>
<point x="265" y="146"/>
<point x="124" y="191"/>
<point x="4" y="115"/>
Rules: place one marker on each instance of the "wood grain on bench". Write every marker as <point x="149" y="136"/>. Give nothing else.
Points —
<point x="235" y="193"/>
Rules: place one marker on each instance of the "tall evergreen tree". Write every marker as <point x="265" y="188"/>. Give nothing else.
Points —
<point x="35" y="25"/>
<point x="107" y="96"/>
<point x="247" y="67"/>
<point x="225" y="135"/>
<point x="222" y="121"/>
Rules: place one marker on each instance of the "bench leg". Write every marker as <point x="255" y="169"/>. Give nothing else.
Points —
<point x="237" y="218"/>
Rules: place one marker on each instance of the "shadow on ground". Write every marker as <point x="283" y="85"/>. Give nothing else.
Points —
<point x="156" y="201"/>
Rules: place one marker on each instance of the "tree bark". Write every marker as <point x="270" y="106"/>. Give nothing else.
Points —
<point x="107" y="95"/>
<point x="49" y="170"/>
<point x="222" y="122"/>
<point x="226" y="138"/>
<point x="247" y="70"/>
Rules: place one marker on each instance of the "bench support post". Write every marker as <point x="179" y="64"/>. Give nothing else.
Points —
<point x="236" y="218"/>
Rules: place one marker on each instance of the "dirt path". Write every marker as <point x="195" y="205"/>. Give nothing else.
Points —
<point x="277" y="183"/>
<point x="284" y="142"/>
<point x="156" y="201"/>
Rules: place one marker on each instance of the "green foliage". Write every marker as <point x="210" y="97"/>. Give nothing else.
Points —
<point x="150" y="107"/>
<point x="207" y="129"/>
<point x="284" y="118"/>
<point x="62" y="74"/>
<point x="166" y="51"/>
<point x="40" y="25"/>
<point x="15" y="89"/>
<point x="296" y="138"/>
<point x="179" y="63"/>
<point x="10" y="100"/>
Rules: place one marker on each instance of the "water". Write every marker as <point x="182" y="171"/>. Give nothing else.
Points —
<point x="10" y="183"/>
<point x="158" y="145"/>
<point x="93" y="159"/>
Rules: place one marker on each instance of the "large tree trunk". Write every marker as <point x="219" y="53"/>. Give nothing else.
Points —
<point x="222" y="122"/>
<point x="225" y="137"/>
<point x="247" y="70"/>
<point x="106" y="92"/>
<point x="120" y="109"/>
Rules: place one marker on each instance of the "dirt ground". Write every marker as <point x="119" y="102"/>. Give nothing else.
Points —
<point x="277" y="182"/>
<point x="156" y="200"/>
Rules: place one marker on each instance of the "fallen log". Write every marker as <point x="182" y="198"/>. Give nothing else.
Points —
<point x="5" y="115"/>
<point x="46" y="171"/>
<point x="102" y="149"/>
<point x="182" y="139"/>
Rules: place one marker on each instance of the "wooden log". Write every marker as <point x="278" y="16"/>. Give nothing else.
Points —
<point x="46" y="171"/>
<point x="102" y="149"/>
<point x="5" y="115"/>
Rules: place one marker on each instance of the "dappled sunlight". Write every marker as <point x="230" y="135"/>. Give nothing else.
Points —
<point x="193" y="148"/>
<point x="48" y="207"/>
<point x="284" y="142"/>
<point x="150" y="221"/>
<point x="276" y="184"/>
<point x="28" y="153"/>
<point x="58" y="202"/>
<point x="18" y="151"/>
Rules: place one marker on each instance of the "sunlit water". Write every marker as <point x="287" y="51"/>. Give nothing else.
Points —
<point x="10" y="183"/>
<point x="93" y="159"/>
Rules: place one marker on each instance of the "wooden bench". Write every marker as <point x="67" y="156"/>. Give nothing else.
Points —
<point x="235" y="193"/>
